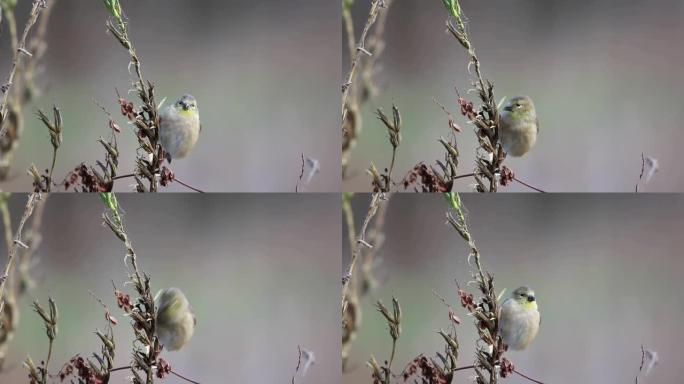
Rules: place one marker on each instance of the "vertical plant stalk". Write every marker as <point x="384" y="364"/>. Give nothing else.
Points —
<point x="19" y="49"/>
<point x="362" y="282"/>
<point x="33" y="239"/>
<point x="40" y="375"/>
<point x="490" y="348"/>
<point x="8" y="295"/>
<point x="383" y="374"/>
<point x="383" y="182"/>
<point x="44" y="183"/>
<point x="19" y="88"/>
<point x="376" y="5"/>
<point x="143" y="312"/>
<point x="356" y="250"/>
<point x="16" y="243"/>
<point x="486" y="118"/>
<point x="20" y="281"/>
<point x="354" y="94"/>
<point x="146" y="118"/>
<point x="8" y="317"/>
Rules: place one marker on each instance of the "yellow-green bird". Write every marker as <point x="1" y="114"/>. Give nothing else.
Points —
<point x="179" y="127"/>
<point x="175" y="321"/>
<point x="519" y="319"/>
<point x="518" y="126"/>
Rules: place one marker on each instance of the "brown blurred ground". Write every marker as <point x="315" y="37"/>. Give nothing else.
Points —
<point x="266" y="75"/>
<point x="606" y="270"/>
<point x="606" y="78"/>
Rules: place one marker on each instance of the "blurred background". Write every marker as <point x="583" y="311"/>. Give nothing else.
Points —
<point x="604" y="76"/>
<point x="260" y="282"/>
<point x="606" y="270"/>
<point x="266" y="76"/>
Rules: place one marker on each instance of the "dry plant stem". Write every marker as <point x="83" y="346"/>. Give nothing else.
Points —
<point x="38" y="44"/>
<point x="7" y="317"/>
<point x="183" y="377"/>
<point x="349" y="220"/>
<point x="299" y="362"/>
<point x="362" y="281"/>
<point x="641" y="175"/>
<point x="145" y="320"/>
<point x="40" y="374"/>
<point x="6" y="222"/>
<point x="489" y="124"/>
<point x="529" y="186"/>
<point x="16" y="243"/>
<point x="349" y="29"/>
<point x="128" y="367"/>
<point x="301" y="175"/>
<point x="527" y="377"/>
<point x="23" y="89"/>
<point x="146" y="121"/>
<point x="356" y="250"/>
<point x="486" y="360"/>
<point x="187" y="185"/>
<point x="33" y="240"/>
<point x="19" y="50"/>
<point x="376" y="5"/>
<point x="643" y="352"/>
<point x="174" y="179"/>
<point x="18" y="282"/>
<point x="391" y="168"/>
<point x="355" y="94"/>
<point x="376" y="45"/>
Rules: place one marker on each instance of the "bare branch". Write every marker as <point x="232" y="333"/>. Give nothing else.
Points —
<point x="28" y="210"/>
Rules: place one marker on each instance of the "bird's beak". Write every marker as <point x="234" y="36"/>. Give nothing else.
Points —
<point x="530" y="298"/>
<point x="508" y="108"/>
<point x="185" y="105"/>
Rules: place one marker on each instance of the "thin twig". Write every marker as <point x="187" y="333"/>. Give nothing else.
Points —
<point x="299" y="362"/>
<point x="28" y="210"/>
<point x="358" y="94"/>
<point x="6" y="222"/>
<point x="376" y="44"/>
<point x="128" y="367"/>
<point x="301" y="175"/>
<point x="391" y="360"/>
<point x="391" y="168"/>
<point x="527" y="377"/>
<point x="129" y="175"/>
<point x="641" y="175"/>
<point x="463" y="368"/>
<point x="187" y="185"/>
<point x="376" y="5"/>
<point x="528" y="186"/>
<point x="184" y="378"/>
<point x="643" y="352"/>
<point x="34" y="239"/>
<point x="37" y="6"/>
<point x="372" y="210"/>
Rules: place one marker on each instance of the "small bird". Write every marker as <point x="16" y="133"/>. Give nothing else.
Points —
<point x="179" y="127"/>
<point x="518" y="125"/>
<point x="175" y="321"/>
<point x="519" y="319"/>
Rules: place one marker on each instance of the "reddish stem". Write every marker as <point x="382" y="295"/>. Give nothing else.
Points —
<point x="528" y="378"/>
